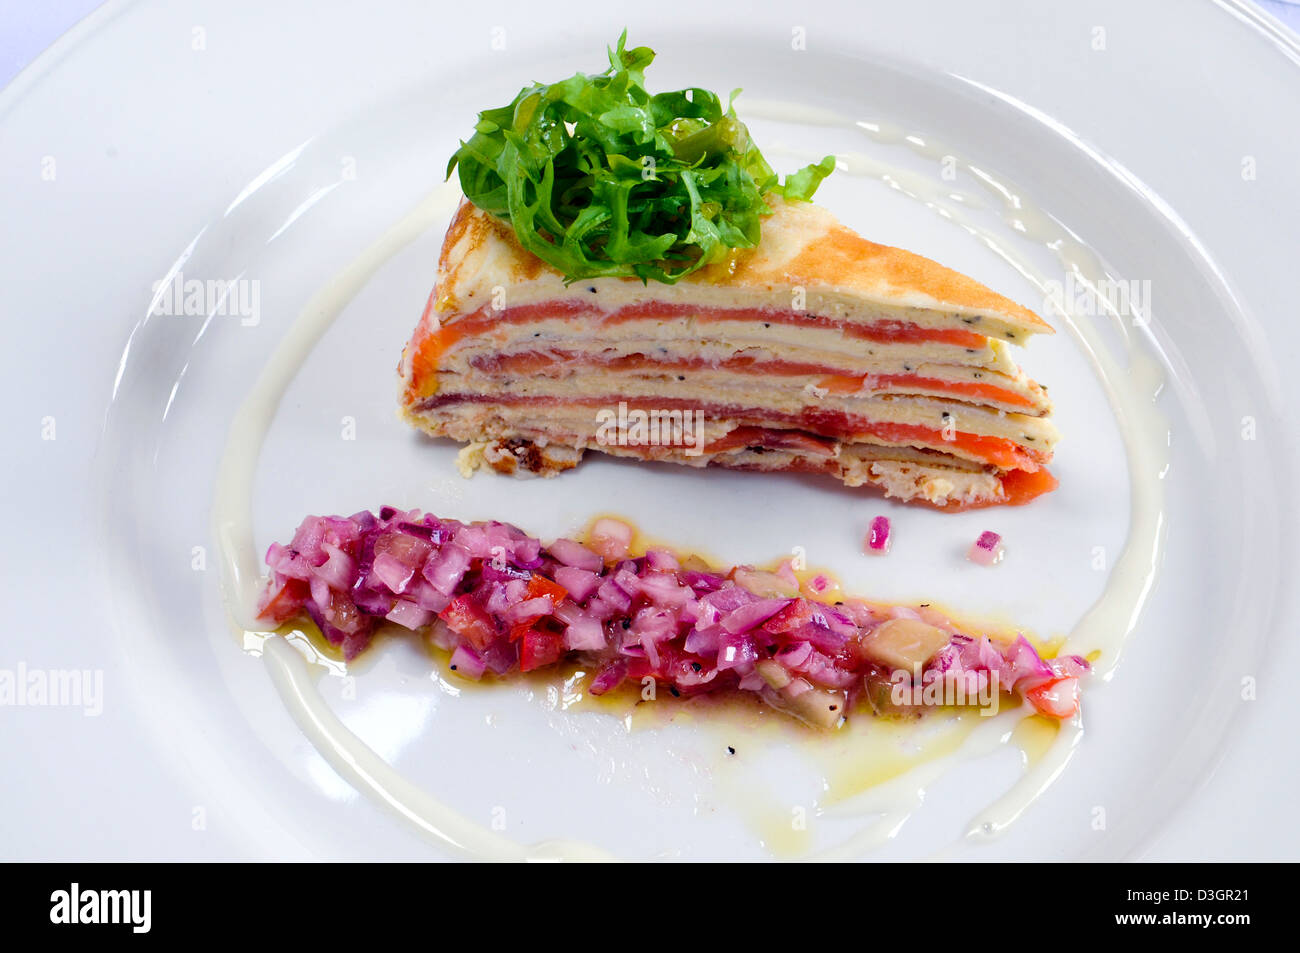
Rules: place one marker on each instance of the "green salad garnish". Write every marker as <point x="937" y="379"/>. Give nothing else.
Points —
<point x="600" y="178"/>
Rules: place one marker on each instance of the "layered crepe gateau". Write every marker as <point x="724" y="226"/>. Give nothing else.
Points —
<point x="815" y="351"/>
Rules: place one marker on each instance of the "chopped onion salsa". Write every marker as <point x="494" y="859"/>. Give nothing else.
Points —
<point x="501" y="601"/>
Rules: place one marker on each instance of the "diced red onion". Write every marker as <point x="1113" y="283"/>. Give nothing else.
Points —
<point x="568" y="612"/>
<point x="578" y="583"/>
<point x="609" y="677"/>
<point x="820" y="583"/>
<point x="498" y="598"/>
<point x="502" y="571"/>
<point x="859" y="613"/>
<point x="704" y="641"/>
<point x="393" y="573"/>
<point x="821" y="636"/>
<point x="575" y="554"/>
<point x="823" y="671"/>
<point x="690" y="613"/>
<point x="689" y="673"/>
<point x="610" y="537"/>
<point x="627" y="580"/>
<point x="614" y="596"/>
<point x="338" y="569"/>
<point x="584" y="634"/>
<point x="663" y="589"/>
<point x="1023" y="662"/>
<point x="736" y="650"/>
<point x="754" y="614"/>
<point x="446" y="569"/>
<point x="426" y="596"/>
<point x="879" y="538"/>
<point x="986" y="550"/>
<point x="467" y="663"/>
<point x="598" y="608"/>
<point x="657" y="624"/>
<point x="379" y="602"/>
<point x="703" y="582"/>
<point x="501" y="656"/>
<point x="728" y="598"/>
<point x="419" y="530"/>
<point x="409" y="615"/>
<point x="647" y="643"/>
<point x="793" y="656"/>
<point x="529" y="609"/>
<point x="838" y="622"/>
<point x="442" y="637"/>
<point x="786" y="572"/>
<point x="661" y="560"/>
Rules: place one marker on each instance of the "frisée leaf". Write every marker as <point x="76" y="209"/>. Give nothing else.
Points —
<point x="599" y="178"/>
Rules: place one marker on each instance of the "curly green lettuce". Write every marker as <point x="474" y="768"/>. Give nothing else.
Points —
<point x="599" y="178"/>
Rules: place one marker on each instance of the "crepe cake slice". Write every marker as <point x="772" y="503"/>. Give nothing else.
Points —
<point x="816" y="351"/>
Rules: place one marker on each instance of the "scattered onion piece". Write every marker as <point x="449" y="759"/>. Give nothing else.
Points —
<point x="987" y="550"/>
<point x="1057" y="697"/>
<point x="611" y="538"/>
<point x="879" y="537"/>
<point x="820" y="583"/>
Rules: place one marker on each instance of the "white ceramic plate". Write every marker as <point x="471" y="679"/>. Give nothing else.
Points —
<point x="275" y="145"/>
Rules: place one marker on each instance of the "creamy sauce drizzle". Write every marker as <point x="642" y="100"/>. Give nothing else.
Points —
<point x="889" y="795"/>
<point x="356" y="761"/>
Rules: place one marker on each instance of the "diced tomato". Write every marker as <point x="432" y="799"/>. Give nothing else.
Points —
<point x="639" y="667"/>
<point x="280" y="605"/>
<point x="794" y="616"/>
<point x="470" y="621"/>
<point x="520" y="629"/>
<point x="539" y="649"/>
<point x="539" y="586"/>
<point x="1057" y="697"/>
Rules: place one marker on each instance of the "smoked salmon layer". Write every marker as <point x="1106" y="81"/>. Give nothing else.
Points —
<point x="818" y="351"/>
